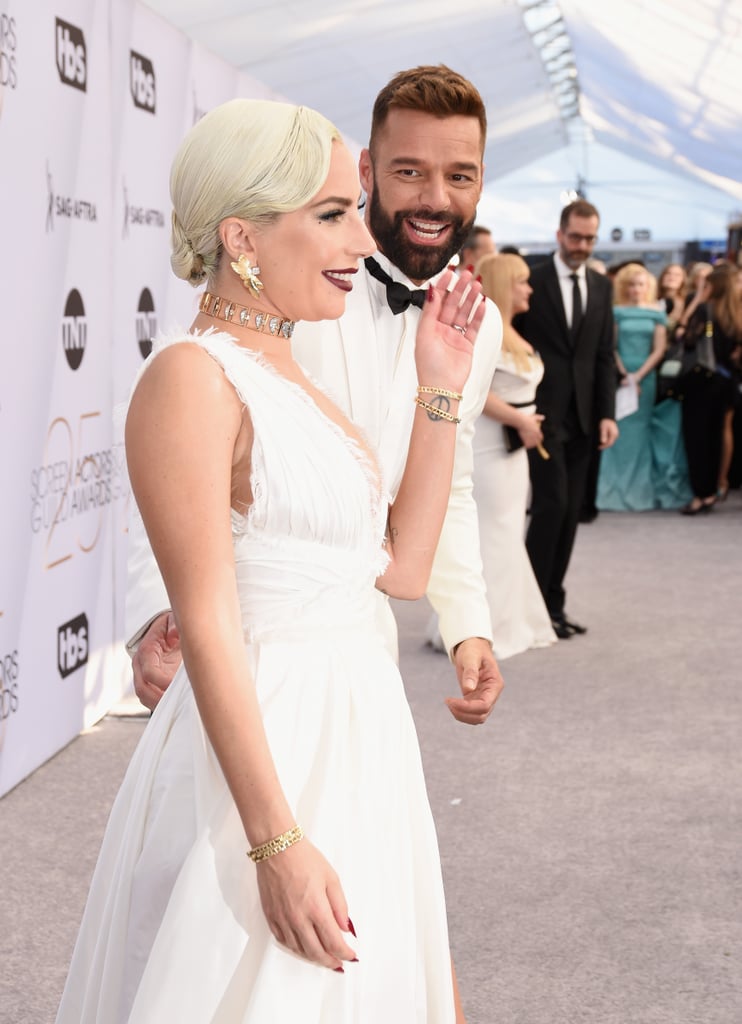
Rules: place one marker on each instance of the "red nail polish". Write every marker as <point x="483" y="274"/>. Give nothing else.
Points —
<point x="338" y="970"/>
<point x="478" y="278"/>
<point x="431" y="292"/>
<point x="351" y="929"/>
<point x="470" y="267"/>
<point x="355" y="960"/>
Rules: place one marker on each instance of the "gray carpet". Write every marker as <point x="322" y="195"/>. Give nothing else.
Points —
<point x="590" y="832"/>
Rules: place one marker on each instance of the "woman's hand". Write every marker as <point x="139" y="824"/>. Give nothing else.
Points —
<point x="304" y="905"/>
<point x="530" y="429"/>
<point x="447" y="331"/>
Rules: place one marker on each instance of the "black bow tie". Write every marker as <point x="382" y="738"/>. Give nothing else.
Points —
<point x="398" y="295"/>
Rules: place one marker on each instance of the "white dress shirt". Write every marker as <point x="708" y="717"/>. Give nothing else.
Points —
<point x="566" y="284"/>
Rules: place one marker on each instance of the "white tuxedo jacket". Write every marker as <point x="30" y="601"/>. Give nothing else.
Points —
<point x="365" y="361"/>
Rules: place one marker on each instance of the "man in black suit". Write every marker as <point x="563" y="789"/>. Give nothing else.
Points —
<point x="570" y="323"/>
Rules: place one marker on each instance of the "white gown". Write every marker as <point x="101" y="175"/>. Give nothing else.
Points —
<point x="501" y="486"/>
<point x="173" y="929"/>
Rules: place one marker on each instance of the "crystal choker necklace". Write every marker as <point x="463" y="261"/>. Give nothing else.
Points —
<point x="243" y="316"/>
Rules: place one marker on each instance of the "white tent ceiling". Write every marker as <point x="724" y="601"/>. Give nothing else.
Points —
<point x="657" y="139"/>
<point x="658" y="80"/>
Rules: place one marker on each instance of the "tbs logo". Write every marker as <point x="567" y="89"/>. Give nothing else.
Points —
<point x="72" y="645"/>
<point x="142" y="81"/>
<point x="72" y="55"/>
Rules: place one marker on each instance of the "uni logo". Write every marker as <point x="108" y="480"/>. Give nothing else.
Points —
<point x="142" y="81"/>
<point x="72" y="55"/>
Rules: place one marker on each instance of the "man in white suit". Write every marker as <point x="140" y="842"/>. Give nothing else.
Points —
<point x="422" y="174"/>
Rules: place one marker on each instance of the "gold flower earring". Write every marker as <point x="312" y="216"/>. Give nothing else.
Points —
<point x="248" y="275"/>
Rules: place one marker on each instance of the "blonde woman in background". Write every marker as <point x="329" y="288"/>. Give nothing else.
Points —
<point x="644" y="469"/>
<point x="508" y="427"/>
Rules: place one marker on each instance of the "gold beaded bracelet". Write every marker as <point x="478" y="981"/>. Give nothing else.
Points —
<point x="277" y="845"/>
<point x="436" y="413"/>
<point x="443" y="392"/>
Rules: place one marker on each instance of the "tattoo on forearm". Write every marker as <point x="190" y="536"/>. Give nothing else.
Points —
<point x="440" y="402"/>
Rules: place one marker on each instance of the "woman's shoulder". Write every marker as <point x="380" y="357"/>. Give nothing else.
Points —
<point x="184" y="362"/>
<point x="180" y="339"/>
<point x="657" y="313"/>
<point x="201" y="366"/>
<point x="640" y="313"/>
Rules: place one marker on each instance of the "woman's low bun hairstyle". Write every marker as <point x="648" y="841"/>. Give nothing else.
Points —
<point x="252" y="159"/>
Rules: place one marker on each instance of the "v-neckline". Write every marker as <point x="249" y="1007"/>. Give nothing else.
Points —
<point x="352" y="440"/>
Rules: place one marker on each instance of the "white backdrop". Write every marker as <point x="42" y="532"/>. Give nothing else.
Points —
<point x="94" y="99"/>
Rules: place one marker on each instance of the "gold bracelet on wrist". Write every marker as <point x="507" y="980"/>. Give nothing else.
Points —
<point x="277" y="845"/>
<point x="435" y="412"/>
<point x="443" y="392"/>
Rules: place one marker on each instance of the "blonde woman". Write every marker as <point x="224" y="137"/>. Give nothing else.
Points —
<point x="627" y="477"/>
<point x="509" y="426"/>
<point x="271" y="855"/>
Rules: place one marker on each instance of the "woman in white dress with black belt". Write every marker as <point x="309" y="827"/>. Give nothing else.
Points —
<point x="509" y="426"/>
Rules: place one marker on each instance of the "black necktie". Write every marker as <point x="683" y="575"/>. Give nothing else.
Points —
<point x="576" y="305"/>
<point x="398" y="295"/>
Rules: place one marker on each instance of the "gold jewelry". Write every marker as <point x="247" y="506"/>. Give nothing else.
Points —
<point x="277" y="845"/>
<point x="443" y="392"/>
<point x="248" y="275"/>
<point x="435" y="413"/>
<point x="255" y="319"/>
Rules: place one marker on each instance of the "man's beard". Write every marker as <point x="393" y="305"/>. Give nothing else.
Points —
<point x="573" y="260"/>
<point x="417" y="262"/>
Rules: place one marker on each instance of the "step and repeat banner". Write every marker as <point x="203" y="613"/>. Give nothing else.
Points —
<point x="94" y="100"/>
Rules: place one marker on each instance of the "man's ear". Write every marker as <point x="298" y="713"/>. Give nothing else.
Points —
<point x="238" y="236"/>
<point x="366" y="171"/>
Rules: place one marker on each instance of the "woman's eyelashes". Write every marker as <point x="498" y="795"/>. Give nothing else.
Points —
<point x="335" y="215"/>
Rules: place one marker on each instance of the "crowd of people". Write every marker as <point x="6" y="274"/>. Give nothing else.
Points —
<point x="346" y="420"/>
<point x="634" y="412"/>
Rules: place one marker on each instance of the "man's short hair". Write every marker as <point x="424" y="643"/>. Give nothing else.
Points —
<point x="472" y="239"/>
<point x="432" y="89"/>
<point x="580" y="208"/>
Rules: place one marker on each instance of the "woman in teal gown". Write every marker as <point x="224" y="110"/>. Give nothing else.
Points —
<point x="646" y="467"/>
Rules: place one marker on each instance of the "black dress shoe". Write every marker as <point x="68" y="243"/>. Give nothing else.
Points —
<point x="696" y="506"/>
<point x="561" y="629"/>
<point x="575" y="627"/>
<point x="565" y="628"/>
